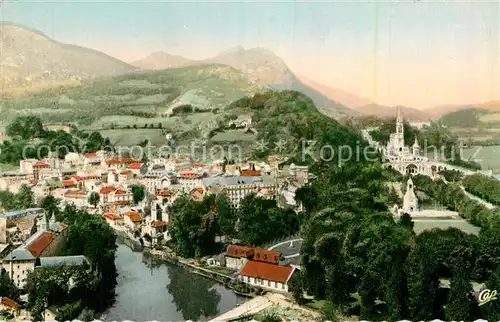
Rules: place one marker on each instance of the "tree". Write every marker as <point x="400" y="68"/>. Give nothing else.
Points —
<point x="26" y="127"/>
<point x="50" y="205"/>
<point x="460" y="299"/>
<point x="296" y="287"/>
<point x="160" y="125"/>
<point x="406" y="221"/>
<point x="94" y="199"/>
<point x="138" y="193"/>
<point x="24" y="198"/>
<point x="491" y="310"/>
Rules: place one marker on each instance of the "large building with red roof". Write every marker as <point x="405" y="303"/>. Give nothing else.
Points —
<point x="267" y="276"/>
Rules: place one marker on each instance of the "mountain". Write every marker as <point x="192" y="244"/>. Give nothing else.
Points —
<point x="390" y="112"/>
<point x="161" y="60"/>
<point x="337" y="95"/>
<point x="30" y="59"/>
<point x="269" y="70"/>
<point x="439" y="111"/>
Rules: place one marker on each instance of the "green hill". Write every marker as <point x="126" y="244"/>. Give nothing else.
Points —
<point x="286" y="121"/>
<point x="475" y="125"/>
<point x="148" y="95"/>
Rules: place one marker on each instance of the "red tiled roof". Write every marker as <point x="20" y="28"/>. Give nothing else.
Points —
<point x="112" y="216"/>
<point x="37" y="247"/>
<point x="121" y="203"/>
<point x="68" y="183"/>
<point x="136" y="166"/>
<point x="268" y="256"/>
<point x="134" y="216"/>
<point x="125" y="172"/>
<point x="239" y="251"/>
<point x="34" y="181"/>
<point x="158" y="224"/>
<point x="120" y="192"/>
<point x="9" y="303"/>
<point x="41" y="164"/>
<point x="78" y="178"/>
<point x="75" y="192"/>
<point x="106" y="190"/>
<point x="198" y="165"/>
<point x="164" y="193"/>
<point x="268" y="272"/>
<point x="193" y="175"/>
<point x="250" y="173"/>
<point x="122" y="161"/>
<point x="90" y="155"/>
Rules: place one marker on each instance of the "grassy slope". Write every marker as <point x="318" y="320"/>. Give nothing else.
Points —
<point x="127" y="96"/>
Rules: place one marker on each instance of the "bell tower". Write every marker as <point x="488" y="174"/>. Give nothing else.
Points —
<point x="400" y="135"/>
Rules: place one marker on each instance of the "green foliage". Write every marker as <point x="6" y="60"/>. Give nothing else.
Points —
<point x="460" y="299"/>
<point x="50" y="205"/>
<point x="25" y="127"/>
<point x="463" y="118"/>
<point x="8" y="288"/>
<point x="16" y="201"/>
<point x="138" y="193"/>
<point x="452" y="197"/>
<point x="37" y="143"/>
<point x="292" y="117"/>
<point x="194" y="226"/>
<point x="452" y="175"/>
<point x="94" y="199"/>
<point x="484" y="187"/>
<point x="261" y="221"/>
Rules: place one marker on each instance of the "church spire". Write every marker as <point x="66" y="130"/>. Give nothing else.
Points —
<point x="399" y="118"/>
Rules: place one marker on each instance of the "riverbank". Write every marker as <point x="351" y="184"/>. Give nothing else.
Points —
<point x="149" y="291"/>
<point x="193" y="266"/>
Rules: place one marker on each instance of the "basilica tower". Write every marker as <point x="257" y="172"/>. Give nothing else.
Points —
<point x="400" y="132"/>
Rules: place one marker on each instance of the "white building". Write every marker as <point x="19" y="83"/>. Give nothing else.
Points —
<point x="239" y="187"/>
<point x="267" y="276"/>
<point x="411" y="207"/>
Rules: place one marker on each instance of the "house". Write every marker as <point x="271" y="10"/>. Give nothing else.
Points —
<point x="267" y="276"/>
<point x="238" y="256"/>
<point x="18" y="264"/>
<point x="114" y="220"/>
<point x="132" y="220"/>
<point x="10" y="306"/>
<point x="239" y="187"/>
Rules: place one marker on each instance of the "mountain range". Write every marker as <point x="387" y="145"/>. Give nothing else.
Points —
<point x="31" y="61"/>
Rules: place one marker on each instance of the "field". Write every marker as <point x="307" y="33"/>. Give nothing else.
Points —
<point x="428" y="224"/>
<point x="233" y="136"/>
<point x="487" y="156"/>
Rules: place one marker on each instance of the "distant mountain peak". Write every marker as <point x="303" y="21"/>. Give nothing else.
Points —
<point x="161" y="60"/>
<point x="52" y="62"/>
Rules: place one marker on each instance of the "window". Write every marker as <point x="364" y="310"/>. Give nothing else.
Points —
<point x="283" y="286"/>
<point x="268" y="283"/>
<point x="18" y="266"/>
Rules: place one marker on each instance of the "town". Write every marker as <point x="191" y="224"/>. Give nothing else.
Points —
<point x="138" y="200"/>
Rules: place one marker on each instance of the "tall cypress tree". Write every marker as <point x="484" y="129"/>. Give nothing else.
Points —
<point x="460" y="298"/>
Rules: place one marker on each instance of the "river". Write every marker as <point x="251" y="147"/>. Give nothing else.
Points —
<point x="164" y="292"/>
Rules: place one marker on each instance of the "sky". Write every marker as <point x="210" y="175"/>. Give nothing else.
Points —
<point x="418" y="53"/>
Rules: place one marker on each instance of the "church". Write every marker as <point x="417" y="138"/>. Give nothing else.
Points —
<point x="404" y="159"/>
<point x="411" y="206"/>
